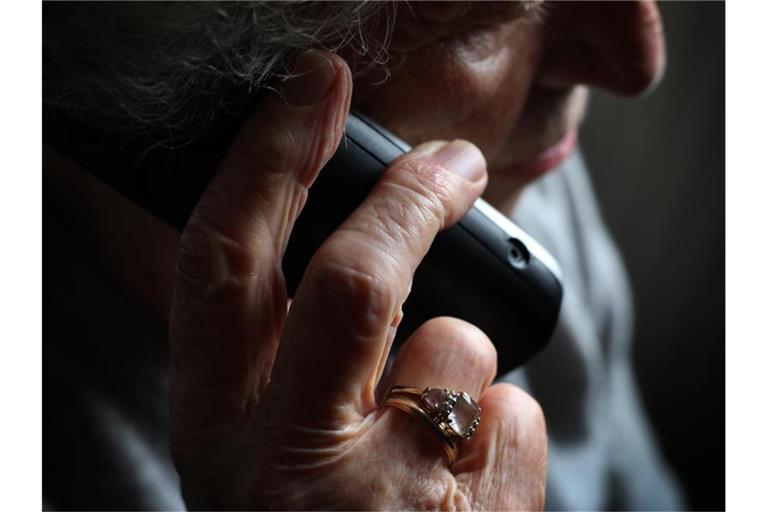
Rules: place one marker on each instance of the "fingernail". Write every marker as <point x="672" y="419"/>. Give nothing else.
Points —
<point x="314" y="76"/>
<point x="463" y="158"/>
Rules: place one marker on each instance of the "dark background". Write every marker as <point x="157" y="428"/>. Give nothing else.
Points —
<point x="659" y="169"/>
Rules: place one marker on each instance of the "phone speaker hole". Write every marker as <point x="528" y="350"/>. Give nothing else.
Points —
<point x="518" y="253"/>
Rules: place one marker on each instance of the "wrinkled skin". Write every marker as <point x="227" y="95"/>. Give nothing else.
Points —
<point x="280" y="412"/>
<point x="514" y="86"/>
<point x="276" y="407"/>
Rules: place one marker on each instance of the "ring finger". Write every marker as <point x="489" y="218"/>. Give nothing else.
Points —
<point x="442" y="353"/>
<point x="445" y="352"/>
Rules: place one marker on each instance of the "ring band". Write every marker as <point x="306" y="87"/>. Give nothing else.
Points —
<point x="451" y="415"/>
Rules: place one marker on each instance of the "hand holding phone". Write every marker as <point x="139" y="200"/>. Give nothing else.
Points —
<point x="255" y="390"/>
<point x="266" y="401"/>
<point x="484" y="269"/>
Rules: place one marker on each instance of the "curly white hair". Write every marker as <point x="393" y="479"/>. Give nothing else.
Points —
<point x="170" y="68"/>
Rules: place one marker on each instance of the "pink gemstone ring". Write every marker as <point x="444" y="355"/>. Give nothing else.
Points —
<point x="452" y="415"/>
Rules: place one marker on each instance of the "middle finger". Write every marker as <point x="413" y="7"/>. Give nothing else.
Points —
<point x="342" y="315"/>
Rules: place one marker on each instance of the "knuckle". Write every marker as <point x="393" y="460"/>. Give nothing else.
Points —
<point x="214" y="267"/>
<point x="359" y="298"/>
<point x="279" y="149"/>
<point x="274" y="150"/>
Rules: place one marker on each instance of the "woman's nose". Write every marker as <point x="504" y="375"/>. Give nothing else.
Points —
<point x="616" y="46"/>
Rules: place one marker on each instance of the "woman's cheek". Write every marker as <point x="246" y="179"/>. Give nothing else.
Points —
<point x="472" y="87"/>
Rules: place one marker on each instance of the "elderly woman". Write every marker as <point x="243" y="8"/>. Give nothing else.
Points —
<point x="277" y="403"/>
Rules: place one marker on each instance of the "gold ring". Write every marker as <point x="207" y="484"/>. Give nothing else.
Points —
<point x="451" y="415"/>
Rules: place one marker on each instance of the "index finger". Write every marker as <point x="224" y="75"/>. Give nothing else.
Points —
<point x="346" y="307"/>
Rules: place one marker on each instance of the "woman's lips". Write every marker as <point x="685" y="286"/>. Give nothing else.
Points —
<point x="547" y="159"/>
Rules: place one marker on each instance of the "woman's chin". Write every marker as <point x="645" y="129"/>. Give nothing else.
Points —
<point x="544" y="161"/>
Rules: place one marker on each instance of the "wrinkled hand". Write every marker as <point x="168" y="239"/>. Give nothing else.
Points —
<point x="276" y="410"/>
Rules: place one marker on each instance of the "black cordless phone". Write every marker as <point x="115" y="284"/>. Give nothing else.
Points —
<point x="484" y="269"/>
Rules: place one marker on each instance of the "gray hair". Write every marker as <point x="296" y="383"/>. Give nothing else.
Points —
<point x="169" y="69"/>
